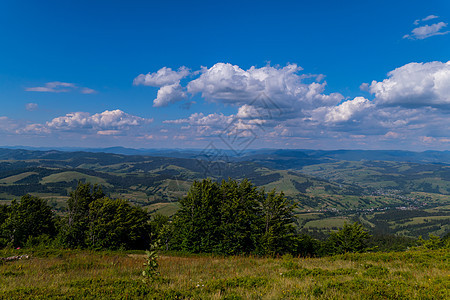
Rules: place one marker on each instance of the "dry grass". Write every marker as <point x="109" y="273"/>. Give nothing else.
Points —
<point x="417" y="274"/>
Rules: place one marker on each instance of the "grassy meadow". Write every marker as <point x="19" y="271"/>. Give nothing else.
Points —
<point x="83" y="274"/>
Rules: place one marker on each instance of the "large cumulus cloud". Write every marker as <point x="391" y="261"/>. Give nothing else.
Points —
<point x="169" y="94"/>
<point x="282" y="86"/>
<point x="169" y="82"/>
<point x="415" y="85"/>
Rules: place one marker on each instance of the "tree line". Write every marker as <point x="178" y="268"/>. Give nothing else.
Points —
<point x="92" y="221"/>
<point x="228" y="218"/>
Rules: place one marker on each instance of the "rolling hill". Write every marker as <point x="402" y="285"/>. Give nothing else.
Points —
<point x="328" y="190"/>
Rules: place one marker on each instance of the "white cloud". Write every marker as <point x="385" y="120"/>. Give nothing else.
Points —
<point x="430" y="17"/>
<point x="33" y="129"/>
<point x="347" y="110"/>
<point x="169" y="94"/>
<point x="107" y="120"/>
<point x="204" y="125"/>
<point x="228" y="82"/>
<point x="109" y="132"/>
<point x="31" y="106"/>
<point x="427" y="31"/>
<point x="199" y="119"/>
<point x="247" y="112"/>
<point x="82" y="125"/>
<point x="392" y="135"/>
<point x="364" y="87"/>
<point x="273" y="89"/>
<point x="415" y="84"/>
<point x="59" y="87"/>
<point x="231" y="84"/>
<point x="427" y="139"/>
<point x="88" y="91"/>
<point x="164" y="76"/>
<point x="7" y="125"/>
<point x="53" y="87"/>
<point x="410" y="103"/>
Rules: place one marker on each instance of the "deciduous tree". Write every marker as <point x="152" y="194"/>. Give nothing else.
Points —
<point x="29" y="217"/>
<point x="116" y="224"/>
<point x="73" y="231"/>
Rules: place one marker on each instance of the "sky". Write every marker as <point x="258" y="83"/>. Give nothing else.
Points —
<point x="229" y="75"/>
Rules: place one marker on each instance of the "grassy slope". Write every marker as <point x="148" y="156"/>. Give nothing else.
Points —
<point x="71" y="175"/>
<point x="15" y="178"/>
<point x="416" y="274"/>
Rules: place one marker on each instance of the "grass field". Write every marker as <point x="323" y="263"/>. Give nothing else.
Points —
<point x="167" y="209"/>
<point x="415" y="274"/>
<point x="15" y="178"/>
<point x="72" y="175"/>
<point x="327" y="223"/>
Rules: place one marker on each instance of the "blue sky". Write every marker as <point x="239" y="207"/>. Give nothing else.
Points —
<point x="188" y="74"/>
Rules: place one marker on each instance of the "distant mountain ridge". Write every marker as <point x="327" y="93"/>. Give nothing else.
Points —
<point x="276" y="158"/>
<point x="295" y="159"/>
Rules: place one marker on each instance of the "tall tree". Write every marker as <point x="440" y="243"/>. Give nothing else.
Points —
<point x="238" y="211"/>
<point x="29" y="217"/>
<point x="4" y="213"/>
<point x="77" y="220"/>
<point x="277" y="217"/>
<point x="161" y="229"/>
<point x="116" y="224"/>
<point x="197" y="222"/>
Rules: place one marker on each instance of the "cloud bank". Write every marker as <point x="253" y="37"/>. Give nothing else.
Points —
<point x="283" y="104"/>
<point x="106" y="123"/>
<point x="277" y="106"/>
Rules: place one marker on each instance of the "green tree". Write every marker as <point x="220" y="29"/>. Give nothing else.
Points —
<point x="161" y="229"/>
<point x="350" y="238"/>
<point x="29" y="217"/>
<point x="116" y="224"/>
<point x="434" y="242"/>
<point x="4" y="213"/>
<point x="277" y="218"/>
<point x="239" y="217"/>
<point x="197" y="221"/>
<point x="75" y="225"/>
<point x="232" y="218"/>
<point x="446" y="240"/>
<point x="305" y="245"/>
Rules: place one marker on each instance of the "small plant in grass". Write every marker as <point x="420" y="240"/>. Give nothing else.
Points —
<point x="151" y="266"/>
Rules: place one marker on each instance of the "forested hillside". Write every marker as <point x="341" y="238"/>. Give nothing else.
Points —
<point x="387" y="196"/>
